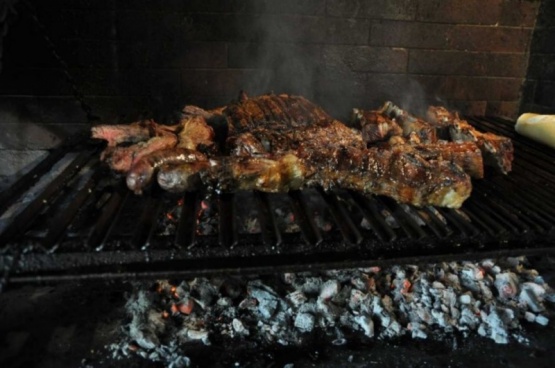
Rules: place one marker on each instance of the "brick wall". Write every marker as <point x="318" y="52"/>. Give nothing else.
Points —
<point x="539" y="88"/>
<point x="152" y="56"/>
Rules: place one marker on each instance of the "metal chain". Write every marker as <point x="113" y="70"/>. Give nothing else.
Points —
<point x="77" y="93"/>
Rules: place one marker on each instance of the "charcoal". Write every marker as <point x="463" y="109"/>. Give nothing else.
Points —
<point x="239" y="327"/>
<point x="296" y="298"/>
<point x="507" y="284"/>
<point x="304" y="322"/>
<point x="529" y="316"/>
<point x="424" y="302"/>
<point x="542" y="320"/>
<point x="310" y="285"/>
<point x="356" y="298"/>
<point x="329" y="289"/>
<point x="342" y="298"/>
<point x="417" y="330"/>
<point x="530" y="299"/>
<point x="366" y="323"/>
<point x="465" y="299"/>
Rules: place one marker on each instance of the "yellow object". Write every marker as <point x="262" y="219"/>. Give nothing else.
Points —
<point x="538" y="127"/>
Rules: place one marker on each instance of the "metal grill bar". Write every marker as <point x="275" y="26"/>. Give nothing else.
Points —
<point x="310" y="231"/>
<point x="409" y="226"/>
<point x="185" y="234"/>
<point x="62" y="221"/>
<point x="271" y="236"/>
<point x="348" y="229"/>
<point x="455" y="218"/>
<point x="106" y="220"/>
<point x="381" y="228"/>
<point x="228" y="229"/>
<point x="146" y="223"/>
<point x="436" y="225"/>
<point x="530" y="199"/>
<point x="24" y="220"/>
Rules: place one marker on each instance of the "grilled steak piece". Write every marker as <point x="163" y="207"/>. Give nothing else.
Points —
<point x="142" y="171"/>
<point x="276" y="143"/>
<point x="467" y="155"/>
<point x="121" y="159"/>
<point x="328" y="154"/>
<point x="497" y="151"/>
<point x="191" y="132"/>
<point x="375" y="126"/>
<point x="406" y="177"/>
<point x="129" y="133"/>
<point x="334" y="155"/>
<point x="274" y="111"/>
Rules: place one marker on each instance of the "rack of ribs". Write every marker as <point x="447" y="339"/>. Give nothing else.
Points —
<point x="277" y="143"/>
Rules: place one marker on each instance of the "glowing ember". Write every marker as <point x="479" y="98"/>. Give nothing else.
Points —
<point x="186" y="307"/>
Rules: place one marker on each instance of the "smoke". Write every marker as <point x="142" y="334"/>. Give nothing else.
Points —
<point x="414" y="99"/>
<point x="283" y="64"/>
<point x="296" y="54"/>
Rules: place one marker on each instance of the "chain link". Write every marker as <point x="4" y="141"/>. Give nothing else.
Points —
<point x="77" y="93"/>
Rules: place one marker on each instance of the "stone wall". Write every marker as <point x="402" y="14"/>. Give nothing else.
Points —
<point x="539" y="88"/>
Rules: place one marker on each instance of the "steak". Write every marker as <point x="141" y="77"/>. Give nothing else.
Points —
<point x="122" y="159"/>
<point x="277" y="143"/>
<point x="497" y="151"/>
<point x="116" y="134"/>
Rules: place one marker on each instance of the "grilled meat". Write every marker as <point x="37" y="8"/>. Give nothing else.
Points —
<point x="277" y="143"/>
<point x="274" y="111"/>
<point x="378" y="127"/>
<point x="192" y="133"/>
<point x="121" y="159"/>
<point x="276" y="174"/>
<point x="195" y="133"/>
<point x="424" y="131"/>
<point x="183" y="177"/>
<point x="467" y="155"/>
<point x="131" y="133"/>
<point x="497" y="151"/>
<point x="375" y="126"/>
<point x="406" y="177"/>
<point x="142" y="171"/>
<point x="327" y="154"/>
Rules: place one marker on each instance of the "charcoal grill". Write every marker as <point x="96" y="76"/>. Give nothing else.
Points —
<point x="84" y="223"/>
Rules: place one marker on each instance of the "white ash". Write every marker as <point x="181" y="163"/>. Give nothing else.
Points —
<point x="489" y="298"/>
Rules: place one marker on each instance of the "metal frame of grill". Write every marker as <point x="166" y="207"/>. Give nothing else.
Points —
<point x="99" y="229"/>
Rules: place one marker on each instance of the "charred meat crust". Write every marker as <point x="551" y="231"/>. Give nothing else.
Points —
<point x="276" y="143"/>
<point x="497" y="151"/>
<point x="141" y="173"/>
<point x="121" y="159"/>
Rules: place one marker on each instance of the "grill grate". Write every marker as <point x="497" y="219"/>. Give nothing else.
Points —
<point x="84" y="223"/>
